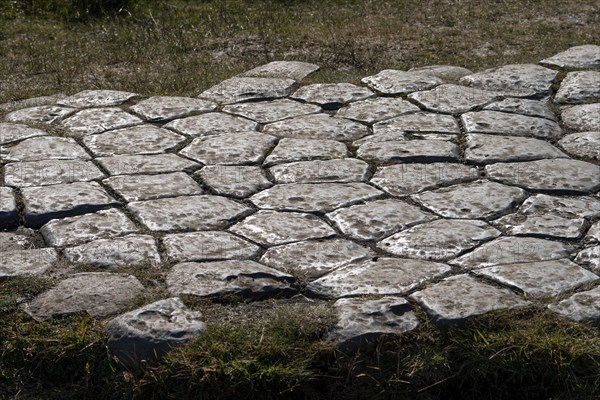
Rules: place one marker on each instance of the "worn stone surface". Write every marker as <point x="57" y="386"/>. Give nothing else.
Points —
<point x="20" y="239"/>
<point x="408" y="151"/>
<point x="510" y="124"/>
<point x="96" y="98"/>
<point x="209" y="245"/>
<point x="242" y="148"/>
<point x="378" y="109"/>
<point x="418" y="122"/>
<point x="8" y="208"/>
<point x="487" y="149"/>
<point x="590" y="258"/>
<point x="394" y="136"/>
<point x="47" y="114"/>
<point x="394" y="82"/>
<point x="516" y="80"/>
<point x="445" y="72"/>
<point x="26" y="262"/>
<point x="585" y="56"/>
<point x="214" y="123"/>
<point x="289" y="150"/>
<point x="318" y="126"/>
<point x="453" y="99"/>
<point x="295" y="70"/>
<point x="532" y="108"/>
<point x="237" y="89"/>
<point x="593" y="234"/>
<point x="579" y="87"/>
<point x="143" y="139"/>
<point x="580" y="307"/>
<point x="147" y="187"/>
<point x="44" y="148"/>
<point x="341" y="170"/>
<point x="50" y="172"/>
<point x="31" y="102"/>
<point x="164" y="108"/>
<point x="13" y="132"/>
<point x="97" y="120"/>
<point x="234" y="180"/>
<point x="272" y="111"/>
<point x="582" y="144"/>
<point x="332" y="95"/>
<point x="146" y="164"/>
<point x="584" y="117"/>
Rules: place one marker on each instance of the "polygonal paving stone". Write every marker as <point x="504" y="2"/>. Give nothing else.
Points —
<point x="395" y="136"/>
<point x="332" y="95"/>
<point x="512" y="250"/>
<point x="516" y="80"/>
<point x="8" y="208"/>
<point x="405" y="179"/>
<point x="26" y="262"/>
<point x="209" y="245"/>
<point x="119" y="252"/>
<point x="45" y="148"/>
<point x="234" y="180"/>
<point x="147" y="187"/>
<point x="481" y="199"/>
<point x="582" y="144"/>
<point x="100" y="294"/>
<point x="211" y="124"/>
<point x="579" y="87"/>
<point x="314" y="258"/>
<point x="96" y="98"/>
<point x="20" y="239"/>
<point x="31" y="102"/>
<point x="50" y="172"/>
<point x="97" y="120"/>
<point x="408" y="151"/>
<point x="395" y="82"/>
<point x="188" y="212"/>
<point x="163" y="108"/>
<point x="468" y="298"/>
<point x="385" y="276"/>
<point x="272" y="111"/>
<point x="146" y="164"/>
<point x="314" y="197"/>
<point x="289" y="150"/>
<point x="243" y="148"/>
<point x="453" y="99"/>
<point x="487" y="149"/>
<point x="532" y="108"/>
<point x="295" y="70"/>
<point x="438" y="240"/>
<point x="143" y="139"/>
<point x="585" y="56"/>
<point x="418" y="122"/>
<point x="445" y="72"/>
<point x="589" y="257"/>
<point x="40" y="114"/>
<point x="271" y="228"/>
<point x="319" y="126"/>
<point x="43" y="203"/>
<point x="84" y="228"/>
<point x="341" y="170"/>
<point x="558" y="175"/>
<point x="377" y="219"/>
<point x="581" y="307"/>
<point x="545" y="278"/>
<point x="378" y="109"/>
<point x="593" y="234"/>
<point x="14" y="132"/>
<point x="243" y="278"/>
<point x="237" y="89"/>
<point x="584" y="117"/>
<point x="510" y="124"/>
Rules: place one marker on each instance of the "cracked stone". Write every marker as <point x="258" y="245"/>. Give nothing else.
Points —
<point x="14" y="132"/>
<point x="45" y="148"/>
<point x="487" y="149"/>
<point x="289" y="150"/>
<point x="580" y="307"/>
<point x="408" y="151"/>
<point x="238" y="89"/>
<point x="585" y="56"/>
<point x="9" y="215"/>
<point x="147" y="187"/>
<point x="50" y="172"/>
<point x="40" y="114"/>
<point x="142" y="139"/>
<point x="332" y="95"/>
<point x="96" y="98"/>
<point x="516" y="80"/>
<point x="453" y="99"/>
<point x="272" y="111"/>
<point x="378" y="109"/>
<point x="243" y="148"/>
<point x="234" y="180"/>
<point x="532" y="108"/>
<point x="97" y="120"/>
<point x="444" y="72"/>
<point x="584" y="117"/>
<point x="209" y="245"/>
<point x="582" y="144"/>
<point x="26" y="262"/>
<point x="318" y="126"/>
<point x="590" y="257"/>
<point x="341" y="170"/>
<point x="510" y="124"/>
<point x="394" y="82"/>
<point x="418" y="122"/>
<point x="164" y="108"/>
<point x="146" y="164"/>
<point x="214" y="123"/>
<point x="295" y="70"/>
<point x="579" y="87"/>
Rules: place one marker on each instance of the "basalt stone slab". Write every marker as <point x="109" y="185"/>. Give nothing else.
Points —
<point x="147" y="187"/>
<point x="50" y="172"/>
<point x="45" y="148"/>
<point x="405" y="179"/>
<point x="211" y="124"/>
<point x="512" y="250"/>
<point x="439" y="240"/>
<point x="314" y="197"/>
<point x="243" y="148"/>
<point x="585" y="56"/>
<point x="146" y="164"/>
<point x="43" y="203"/>
<point x="516" y="80"/>
<point x="404" y="136"/>
<point x="453" y="99"/>
<point x="580" y="307"/>
<point x="319" y="126"/>
<point x="237" y="89"/>
<point x="8" y="208"/>
<point x="394" y="82"/>
<point x="40" y="114"/>
<point x="243" y="278"/>
<point x="332" y="95"/>
<point x="487" y="149"/>
<point x="582" y="144"/>
<point x="85" y="228"/>
<point x="14" y="132"/>
<point x="532" y="108"/>
<point x="164" y="108"/>
<point x="545" y="278"/>
<point x="385" y="276"/>
<point x="314" y="258"/>
<point x="408" y="151"/>
<point x="418" y="122"/>
<point x="234" y="180"/>
<point x="96" y="98"/>
<point x="272" y="111"/>
<point x="589" y="257"/>
<point x="501" y="123"/>
<point x="97" y="120"/>
<point x="143" y="139"/>
<point x="119" y="252"/>
<point x="270" y="228"/>
<point x="289" y="150"/>
<point x="377" y="219"/>
<point x="295" y="70"/>
<point x="481" y="199"/>
<point x="378" y="109"/>
<point x="579" y="87"/>
<point x="341" y="170"/>
<point x="209" y="245"/>
<point x="26" y="262"/>
<point x="468" y="298"/>
<point x="584" y="117"/>
<point x="100" y="294"/>
<point x="558" y="175"/>
<point x="445" y="72"/>
<point x="188" y="213"/>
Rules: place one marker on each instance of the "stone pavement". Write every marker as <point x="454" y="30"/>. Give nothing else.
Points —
<point x="435" y="188"/>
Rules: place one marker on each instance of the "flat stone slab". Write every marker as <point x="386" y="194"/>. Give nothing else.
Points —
<point x="207" y="246"/>
<point x="516" y="80"/>
<point x="8" y="208"/>
<point x="164" y="108"/>
<point x="453" y="99"/>
<point x="510" y="124"/>
<point x="582" y="144"/>
<point x="243" y="278"/>
<point x="418" y="122"/>
<point x="408" y="151"/>
<point x="385" y="276"/>
<point x="85" y="228"/>
<point x="532" y="108"/>
<point x="50" y="172"/>
<point x="214" y="123"/>
<point x="48" y="114"/>
<point x="295" y="70"/>
<point x="146" y="164"/>
<point x="375" y="110"/>
<point x="45" y="148"/>
<point x="20" y="239"/>
<point x="142" y="139"/>
<point x="593" y="234"/>
<point x="317" y="126"/>
<point x="202" y="212"/>
<point x="399" y="136"/>
<point x="332" y="95"/>
<point x="272" y="111"/>
<point x="100" y="294"/>
<point x="469" y="298"/>
<point x="124" y="251"/>
<point x="30" y="102"/>
<point x="314" y="197"/>
<point x="580" y="307"/>
<point x="480" y="199"/>
<point x="439" y="240"/>
<point x="340" y="170"/>
<point x="270" y="228"/>
<point x="26" y="262"/>
<point x="584" y="117"/>
<point x="96" y="98"/>
<point x="98" y="120"/>
<point x="558" y="175"/>
<point x="488" y="149"/>
<point x="289" y="150"/>
<point x="147" y="187"/>
<point x="445" y="72"/>
<point x="243" y="148"/>
<point x="234" y="180"/>
<point x="237" y="89"/>
<point x="579" y="87"/>
<point x="377" y="219"/>
<point x="14" y="132"/>
<point x="585" y="56"/>
<point x="590" y="258"/>
<point x="394" y="82"/>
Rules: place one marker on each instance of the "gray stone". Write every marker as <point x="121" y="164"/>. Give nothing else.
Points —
<point x="100" y="294"/>
<point x="418" y="122"/>
<point x="237" y="89"/>
<point x="234" y="180"/>
<point x="124" y="251"/>
<point x="584" y="117"/>
<point x="211" y="124"/>
<point x="439" y="240"/>
<point x="384" y="276"/>
<point x="97" y="120"/>
<point x="319" y="126"/>
<point x="408" y="151"/>
<point x="378" y="109"/>
<point x="480" y="199"/>
<point x="20" y="239"/>
<point x="164" y="108"/>
<point x="469" y="298"/>
<point x="15" y="132"/>
<point x="26" y="262"/>
<point x="516" y="80"/>
<point x="453" y="99"/>
<point x="96" y="98"/>
<point x="332" y="95"/>
<point x="31" y="102"/>
<point x="590" y="257"/>
<point x="392" y="136"/>
<point x="146" y="164"/>
<point x="558" y="175"/>
<point x="295" y="70"/>
<point x="394" y="82"/>
<point x="272" y="111"/>
<point x="582" y="144"/>
<point x="377" y="219"/>
<point x="585" y="56"/>
<point x="243" y="148"/>
<point x="43" y="203"/>
<point x="314" y="197"/>
<point x="580" y="307"/>
<point x="445" y="72"/>
<point x="593" y="234"/>
<point x="289" y="150"/>
<point x="209" y="245"/>
<point x="243" y="278"/>
<point x="143" y="139"/>
<point x="147" y="187"/>
<point x="50" y="172"/>
<point x="270" y="228"/>
<point x="405" y="179"/>
<point x="188" y="213"/>
<point x="532" y="108"/>
<point x="45" y="148"/>
<point x="579" y="87"/>
<point x="9" y="215"/>
<point x="341" y="170"/>
<point x="510" y="124"/>
<point x="40" y="114"/>
<point x="545" y="278"/>
<point x="487" y="149"/>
